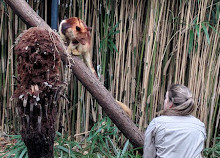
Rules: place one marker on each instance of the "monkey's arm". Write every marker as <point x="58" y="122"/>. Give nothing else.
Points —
<point x="72" y="49"/>
<point x="88" y="61"/>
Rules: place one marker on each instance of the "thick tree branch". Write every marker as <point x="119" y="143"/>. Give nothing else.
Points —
<point x="98" y="91"/>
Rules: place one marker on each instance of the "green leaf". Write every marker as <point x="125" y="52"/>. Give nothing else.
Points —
<point x="113" y="33"/>
<point x="98" y="155"/>
<point x="23" y="153"/>
<point x="59" y="134"/>
<point x="93" y="144"/>
<point x="217" y="11"/>
<point x="99" y="130"/>
<point x="68" y="151"/>
<point x="197" y="29"/>
<point x="61" y="155"/>
<point x="116" y="25"/>
<point x="108" y="123"/>
<point x="195" y="20"/>
<point x="125" y="148"/>
<point x="214" y="29"/>
<point x="62" y="148"/>
<point x="26" y="156"/>
<point x="101" y="45"/>
<point x="19" y="143"/>
<point x="206" y="33"/>
<point x="115" y="48"/>
<point x="119" y="154"/>
<point x="101" y="142"/>
<point x="113" y="145"/>
<point x="191" y="38"/>
<point x="5" y="7"/>
<point x="14" y="151"/>
<point x="112" y="45"/>
<point x="105" y="153"/>
<point x="196" y="46"/>
<point x="14" y="136"/>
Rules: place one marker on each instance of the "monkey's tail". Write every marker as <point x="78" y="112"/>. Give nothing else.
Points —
<point x="88" y="62"/>
<point x="94" y="72"/>
<point x="125" y="108"/>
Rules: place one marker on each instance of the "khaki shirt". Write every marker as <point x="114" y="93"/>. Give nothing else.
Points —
<point x="174" y="137"/>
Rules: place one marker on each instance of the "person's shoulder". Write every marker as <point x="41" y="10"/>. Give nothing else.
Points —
<point x="188" y="118"/>
<point x="162" y="118"/>
<point x="196" y="120"/>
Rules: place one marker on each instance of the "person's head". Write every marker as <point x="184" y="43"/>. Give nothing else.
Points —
<point x="178" y="101"/>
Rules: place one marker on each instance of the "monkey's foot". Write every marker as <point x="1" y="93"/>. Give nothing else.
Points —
<point x="76" y="52"/>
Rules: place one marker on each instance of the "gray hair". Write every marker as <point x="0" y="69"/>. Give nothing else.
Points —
<point x="181" y="97"/>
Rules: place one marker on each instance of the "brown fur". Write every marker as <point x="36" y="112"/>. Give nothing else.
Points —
<point x="77" y="36"/>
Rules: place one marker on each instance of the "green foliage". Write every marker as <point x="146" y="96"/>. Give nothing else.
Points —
<point x="191" y="38"/>
<point x="195" y="29"/>
<point x="110" y="39"/>
<point x="64" y="148"/>
<point x="103" y="139"/>
<point x="213" y="152"/>
<point x="3" y="2"/>
<point x="19" y="149"/>
<point x="101" y="142"/>
<point x="206" y="33"/>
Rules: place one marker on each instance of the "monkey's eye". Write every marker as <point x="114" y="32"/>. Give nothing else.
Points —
<point x="77" y="28"/>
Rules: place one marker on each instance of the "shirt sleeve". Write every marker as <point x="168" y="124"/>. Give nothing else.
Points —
<point x="149" y="141"/>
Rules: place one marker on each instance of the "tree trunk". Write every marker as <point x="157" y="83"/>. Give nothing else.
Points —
<point x="38" y="90"/>
<point x="104" y="98"/>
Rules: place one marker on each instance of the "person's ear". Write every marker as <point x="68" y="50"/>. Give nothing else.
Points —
<point x="170" y="104"/>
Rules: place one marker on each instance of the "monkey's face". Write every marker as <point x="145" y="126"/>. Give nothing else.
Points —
<point x="75" y="30"/>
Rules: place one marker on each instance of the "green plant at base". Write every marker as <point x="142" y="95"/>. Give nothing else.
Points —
<point x="18" y="149"/>
<point x="101" y="142"/>
<point x="213" y="152"/>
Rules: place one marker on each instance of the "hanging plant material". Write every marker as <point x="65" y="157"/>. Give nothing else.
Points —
<point x="38" y="90"/>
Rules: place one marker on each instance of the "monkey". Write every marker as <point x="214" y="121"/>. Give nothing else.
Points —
<point x="76" y="34"/>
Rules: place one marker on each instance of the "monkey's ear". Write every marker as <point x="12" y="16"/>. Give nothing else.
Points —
<point x="64" y="26"/>
<point x="89" y="28"/>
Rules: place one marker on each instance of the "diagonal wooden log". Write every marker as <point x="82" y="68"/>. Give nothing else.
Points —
<point x="83" y="74"/>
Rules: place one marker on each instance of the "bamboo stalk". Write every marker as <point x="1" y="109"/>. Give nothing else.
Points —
<point x="212" y="108"/>
<point x="78" y="120"/>
<point x="152" y="43"/>
<point x="148" y="60"/>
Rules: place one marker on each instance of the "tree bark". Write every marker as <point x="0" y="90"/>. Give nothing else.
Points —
<point x="83" y="74"/>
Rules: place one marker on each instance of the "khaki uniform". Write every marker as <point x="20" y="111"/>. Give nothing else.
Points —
<point x="174" y="137"/>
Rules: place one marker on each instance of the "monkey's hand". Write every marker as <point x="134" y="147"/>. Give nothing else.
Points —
<point x="72" y="49"/>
